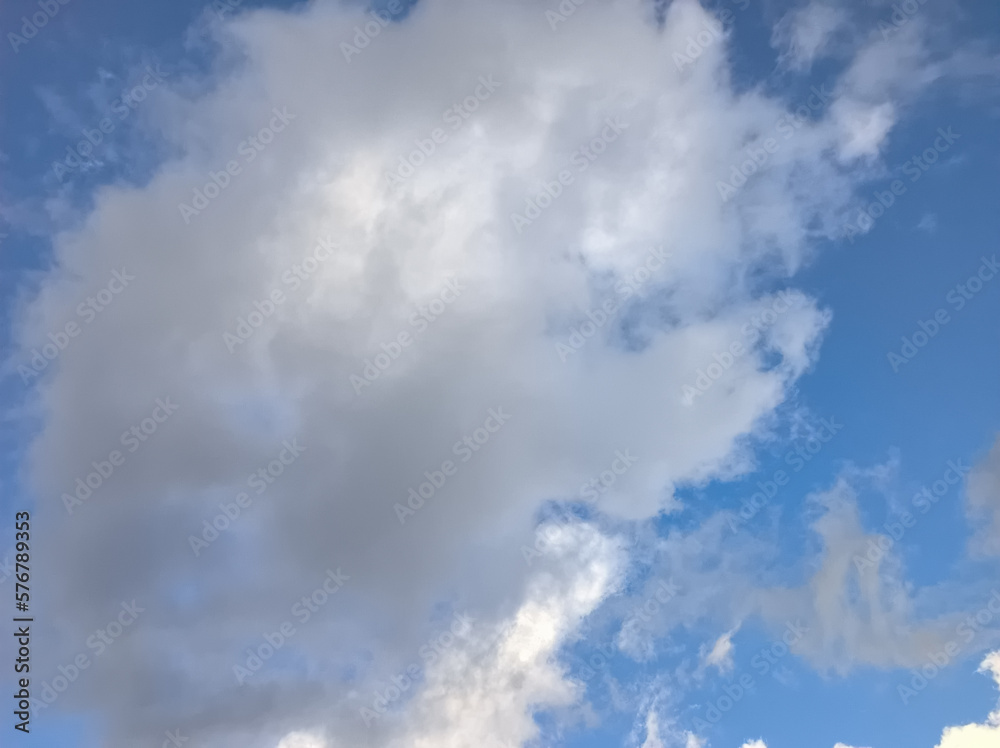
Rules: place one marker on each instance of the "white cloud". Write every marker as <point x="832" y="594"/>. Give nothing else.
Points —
<point x="806" y="33"/>
<point x="883" y="76"/>
<point x="865" y="127"/>
<point x="485" y="690"/>
<point x="488" y="698"/>
<point x="693" y="741"/>
<point x="494" y="347"/>
<point x="652" y="732"/>
<point x="667" y="735"/>
<point x="985" y="735"/>
<point x="302" y="740"/>
<point x="720" y="656"/>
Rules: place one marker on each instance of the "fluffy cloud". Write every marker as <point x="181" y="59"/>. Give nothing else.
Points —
<point x="485" y="694"/>
<point x="983" y="735"/>
<point x="357" y="223"/>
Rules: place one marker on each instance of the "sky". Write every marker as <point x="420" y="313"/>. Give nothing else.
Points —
<point x="501" y="373"/>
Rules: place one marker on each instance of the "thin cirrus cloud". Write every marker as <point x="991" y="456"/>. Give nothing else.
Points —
<point x="983" y="502"/>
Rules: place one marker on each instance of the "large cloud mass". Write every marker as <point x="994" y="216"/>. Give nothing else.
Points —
<point x="478" y="254"/>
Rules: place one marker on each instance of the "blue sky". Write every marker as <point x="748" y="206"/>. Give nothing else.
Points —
<point x="700" y="92"/>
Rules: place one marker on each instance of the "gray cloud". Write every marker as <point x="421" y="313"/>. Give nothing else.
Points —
<point x="982" y="502"/>
<point x="397" y="246"/>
